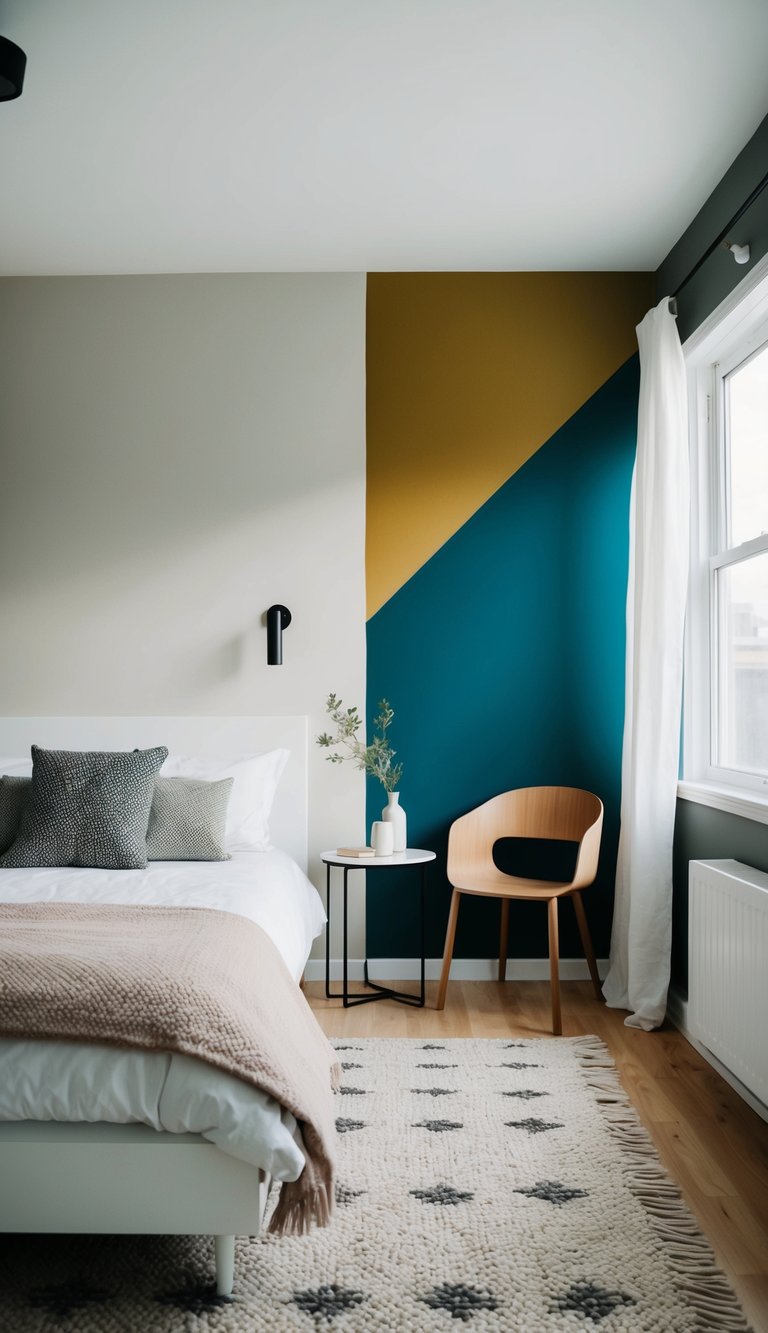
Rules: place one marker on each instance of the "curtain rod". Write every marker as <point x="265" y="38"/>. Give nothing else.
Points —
<point x="758" y="190"/>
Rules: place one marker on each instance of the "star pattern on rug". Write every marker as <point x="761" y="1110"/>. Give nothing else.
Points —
<point x="328" y="1301"/>
<point x="345" y="1195"/>
<point x="459" y="1300"/>
<point x="515" y="1046"/>
<point x="552" y="1191"/>
<point x="443" y="1194"/>
<point x="350" y="1064"/>
<point x="534" y="1126"/>
<point x="406" y="1231"/>
<point x="347" y="1091"/>
<point x="347" y="1048"/>
<point x="590" y="1301"/>
<point x="431" y="1047"/>
<point x="525" y="1093"/>
<point x="438" y="1126"/>
<point x="61" y="1299"/>
<point x="344" y="1126"/>
<point x="193" y="1297"/>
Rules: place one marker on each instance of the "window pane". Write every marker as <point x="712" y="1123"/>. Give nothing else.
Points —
<point x="747" y="393"/>
<point x="742" y="600"/>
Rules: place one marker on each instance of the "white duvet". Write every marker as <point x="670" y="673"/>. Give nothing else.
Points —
<point x="67" y="1081"/>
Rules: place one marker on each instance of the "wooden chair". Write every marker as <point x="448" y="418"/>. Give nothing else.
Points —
<point x="562" y="813"/>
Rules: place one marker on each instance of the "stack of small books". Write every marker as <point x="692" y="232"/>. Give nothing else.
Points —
<point x="360" y="853"/>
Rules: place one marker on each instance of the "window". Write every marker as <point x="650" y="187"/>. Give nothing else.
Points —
<point x="726" y="684"/>
<point x="739" y="578"/>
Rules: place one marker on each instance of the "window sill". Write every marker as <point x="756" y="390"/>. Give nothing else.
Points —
<point x="734" y="800"/>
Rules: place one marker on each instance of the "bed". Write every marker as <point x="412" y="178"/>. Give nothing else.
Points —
<point x="94" y="1139"/>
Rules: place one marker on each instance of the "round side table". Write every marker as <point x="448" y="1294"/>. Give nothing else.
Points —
<point x="411" y="857"/>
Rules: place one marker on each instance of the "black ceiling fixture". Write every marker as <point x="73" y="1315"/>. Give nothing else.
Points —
<point x="13" y="63"/>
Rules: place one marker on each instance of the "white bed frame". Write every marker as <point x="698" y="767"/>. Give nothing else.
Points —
<point x="114" y="1179"/>
<point x="111" y="1179"/>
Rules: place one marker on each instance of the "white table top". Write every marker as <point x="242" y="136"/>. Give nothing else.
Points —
<point x="412" y="856"/>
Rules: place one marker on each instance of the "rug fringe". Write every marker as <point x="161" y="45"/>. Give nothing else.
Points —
<point x="688" y="1251"/>
<point x="299" y="1210"/>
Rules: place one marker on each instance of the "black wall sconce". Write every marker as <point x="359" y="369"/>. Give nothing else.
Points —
<point x="278" y="619"/>
<point x="13" y="63"/>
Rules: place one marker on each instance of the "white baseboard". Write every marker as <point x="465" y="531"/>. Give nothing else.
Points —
<point x="462" y="969"/>
<point x="677" y="1013"/>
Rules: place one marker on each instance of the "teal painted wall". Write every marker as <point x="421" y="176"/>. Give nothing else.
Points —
<point x="503" y="657"/>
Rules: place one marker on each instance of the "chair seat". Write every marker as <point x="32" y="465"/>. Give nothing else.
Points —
<point x="496" y="884"/>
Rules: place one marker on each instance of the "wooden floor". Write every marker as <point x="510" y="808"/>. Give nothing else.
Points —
<point x="713" y="1145"/>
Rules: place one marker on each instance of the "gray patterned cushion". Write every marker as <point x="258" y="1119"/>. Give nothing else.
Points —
<point x="87" y="808"/>
<point x="13" y="797"/>
<point x="188" y="820"/>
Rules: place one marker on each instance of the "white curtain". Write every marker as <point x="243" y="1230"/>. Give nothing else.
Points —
<point x="638" y="977"/>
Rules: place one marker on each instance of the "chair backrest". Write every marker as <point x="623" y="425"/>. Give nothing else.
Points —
<point x="559" y="813"/>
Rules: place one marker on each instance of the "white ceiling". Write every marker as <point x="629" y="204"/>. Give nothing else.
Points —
<point x="246" y="135"/>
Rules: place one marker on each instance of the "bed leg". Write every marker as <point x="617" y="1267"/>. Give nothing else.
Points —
<point x="225" y="1264"/>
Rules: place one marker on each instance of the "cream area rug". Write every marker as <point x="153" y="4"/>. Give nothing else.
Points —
<point x="491" y="1185"/>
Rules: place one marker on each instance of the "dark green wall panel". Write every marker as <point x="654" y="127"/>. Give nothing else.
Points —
<point x="700" y="832"/>
<point x="503" y="657"/>
<point x="704" y="834"/>
<point x="718" y="276"/>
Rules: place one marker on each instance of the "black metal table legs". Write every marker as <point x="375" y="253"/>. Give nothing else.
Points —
<point x="381" y="992"/>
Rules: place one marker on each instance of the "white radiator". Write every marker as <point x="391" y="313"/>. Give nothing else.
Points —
<point x="728" y="968"/>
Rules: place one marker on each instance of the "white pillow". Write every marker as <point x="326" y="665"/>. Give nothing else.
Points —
<point x="255" y="781"/>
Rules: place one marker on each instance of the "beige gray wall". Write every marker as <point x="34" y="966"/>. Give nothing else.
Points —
<point x="178" y="452"/>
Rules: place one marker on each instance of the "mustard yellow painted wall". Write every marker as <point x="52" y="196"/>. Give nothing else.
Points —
<point x="468" y="375"/>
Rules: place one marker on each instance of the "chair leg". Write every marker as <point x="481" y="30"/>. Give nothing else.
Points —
<point x="554" y="967"/>
<point x="503" y="937"/>
<point x="586" y="943"/>
<point x="450" y="936"/>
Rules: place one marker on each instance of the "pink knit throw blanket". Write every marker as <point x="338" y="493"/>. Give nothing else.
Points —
<point x="192" y="980"/>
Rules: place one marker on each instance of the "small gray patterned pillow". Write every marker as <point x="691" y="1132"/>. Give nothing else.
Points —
<point x="87" y="808"/>
<point x="14" y="793"/>
<point x="188" y="820"/>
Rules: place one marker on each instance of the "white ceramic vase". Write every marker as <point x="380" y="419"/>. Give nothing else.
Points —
<point x="394" y="814"/>
<point x="382" y="837"/>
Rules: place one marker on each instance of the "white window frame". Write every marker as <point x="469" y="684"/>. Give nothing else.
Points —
<point x="736" y="329"/>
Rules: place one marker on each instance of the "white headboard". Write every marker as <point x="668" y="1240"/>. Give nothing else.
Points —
<point x="216" y="736"/>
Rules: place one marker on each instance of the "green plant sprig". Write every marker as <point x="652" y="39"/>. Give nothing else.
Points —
<point x="377" y="756"/>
